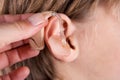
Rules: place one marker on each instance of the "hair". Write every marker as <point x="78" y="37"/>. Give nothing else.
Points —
<point x="42" y="66"/>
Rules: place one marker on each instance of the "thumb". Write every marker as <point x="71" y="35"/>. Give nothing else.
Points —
<point x="19" y="30"/>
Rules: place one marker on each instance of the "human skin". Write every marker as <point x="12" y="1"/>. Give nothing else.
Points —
<point x="14" y="33"/>
<point x="98" y="40"/>
<point x="99" y="44"/>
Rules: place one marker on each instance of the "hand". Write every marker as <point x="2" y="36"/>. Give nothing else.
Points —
<point x="14" y="32"/>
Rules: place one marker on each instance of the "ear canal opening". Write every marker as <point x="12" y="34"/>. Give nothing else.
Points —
<point x="69" y="42"/>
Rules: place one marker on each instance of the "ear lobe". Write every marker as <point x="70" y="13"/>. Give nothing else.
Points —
<point x="60" y="39"/>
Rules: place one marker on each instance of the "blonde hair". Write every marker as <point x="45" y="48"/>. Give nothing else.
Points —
<point x="42" y="66"/>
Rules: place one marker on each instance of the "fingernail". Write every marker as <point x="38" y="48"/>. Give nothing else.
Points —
<point x="36" y="19"/>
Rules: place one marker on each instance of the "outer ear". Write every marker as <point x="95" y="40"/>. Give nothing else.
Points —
<point x="60" y="38"/>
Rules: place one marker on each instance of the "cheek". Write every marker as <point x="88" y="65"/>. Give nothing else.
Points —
<point x="101" y="58"/>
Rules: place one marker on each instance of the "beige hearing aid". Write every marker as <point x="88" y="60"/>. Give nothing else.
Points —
<point x="37" y="41"/>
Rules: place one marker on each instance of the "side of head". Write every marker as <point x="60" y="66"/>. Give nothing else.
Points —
<point x="83" y="38"/>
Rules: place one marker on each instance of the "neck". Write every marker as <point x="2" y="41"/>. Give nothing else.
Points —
<point x="69" y="71"/>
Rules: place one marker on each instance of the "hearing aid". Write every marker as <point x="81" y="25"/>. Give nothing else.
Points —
<point x="37" y="41"/>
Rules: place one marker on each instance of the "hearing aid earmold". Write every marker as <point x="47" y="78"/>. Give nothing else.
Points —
<point x="37" y="41"/>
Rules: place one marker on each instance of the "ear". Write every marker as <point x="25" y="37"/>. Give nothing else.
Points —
<point x="60" y="39"/>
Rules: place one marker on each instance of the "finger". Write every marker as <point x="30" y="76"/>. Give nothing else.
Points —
<point x="13" y="32"/>
<point x="19" y="74"/>
<point x="16" y="55"/>
<point x="17" y="44"/>
<point x="19" y="30"/>
<point x="13" y="18"/>
<point x="13" y="45"/>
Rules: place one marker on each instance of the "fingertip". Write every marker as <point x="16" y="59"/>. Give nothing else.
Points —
<point x="20" y="73"/>
<point x="26" y="70"/>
